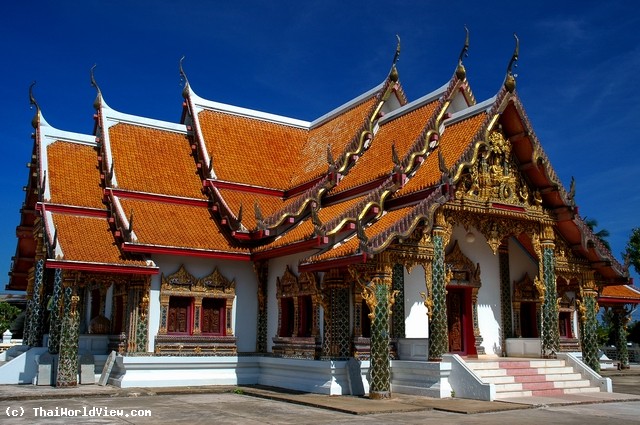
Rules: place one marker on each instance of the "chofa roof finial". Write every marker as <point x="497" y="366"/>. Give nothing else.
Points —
<point x="393" y="75"/>
<point x="461" y="72"/>
<point x="33" y="102"/>
<point x="183" y="78"/>
<point x="510" y="80"/>
<point x="94" y="84"/>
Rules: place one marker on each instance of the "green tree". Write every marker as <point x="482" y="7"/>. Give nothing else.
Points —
<point x="8" y="313"/>
<point x="600" y="234"/>
<point x="632" y="251"/>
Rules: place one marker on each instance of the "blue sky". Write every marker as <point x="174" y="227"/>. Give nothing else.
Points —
<point x="577" y="73"/>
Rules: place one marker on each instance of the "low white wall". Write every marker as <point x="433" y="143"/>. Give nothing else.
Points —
<point x="429" y="379"/>
<point x="23" y="368"/>
<point x="586" y="372"/>
<point x="465" y="383"/>
<point x="524" y="347"/>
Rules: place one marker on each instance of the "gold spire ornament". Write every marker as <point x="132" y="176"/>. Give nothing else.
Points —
<point x="33" y="103"/>
<point x="461" y="72"/>
<point x="393" y="75"/>
<point x="510" y="80"/>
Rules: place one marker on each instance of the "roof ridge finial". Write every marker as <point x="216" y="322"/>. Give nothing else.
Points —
<point x="33" y="102"/>
<point x="94" y="84"/>
<point x="183" y="78"/>
<point x="510" y="80"/>
<point x="461" y="72"/>
<point x="393" y="74"/>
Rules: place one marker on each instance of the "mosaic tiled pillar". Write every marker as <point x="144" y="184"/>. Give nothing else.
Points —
<point x="438" y="331"/>
<point x="397" y="318"/>
<point x="379" y="297"/>
<point x="336" y="341"/>
<point x="36" y="316"/>
<point x="262" y="272"/>
<point x="55" y="318"/>
<point x="589" y="325"/>
<point x="550" y="341"/>
<point x="620" y="320"/>
<point x="142" y="322"/>
<point x="505" y="297"/>
<point x="69" y="337"/>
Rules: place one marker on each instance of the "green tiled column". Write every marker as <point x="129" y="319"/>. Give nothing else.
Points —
<point x="68" y="359"/>
<point x="36" y="312"/>
<point x="550" y="340"/>
<point x="620" y="320"/>
<point x="589" y="325"/>
<point x="438" y="331"/>
<point x="397" y="318"/>
<point x="505" y="296"/>
<point x="378" y="298"/>
<point x="55" y="318"/>
<point x="336" y="341"/>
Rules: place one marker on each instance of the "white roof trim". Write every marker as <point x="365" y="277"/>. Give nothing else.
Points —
<point x="430" y="97"/>
<point x="113" y="117"/>
<point x="470" y="111"/>
<point x="51" y="232"/>
<point x="201" y="104"/>
<point x="326" y="117"/>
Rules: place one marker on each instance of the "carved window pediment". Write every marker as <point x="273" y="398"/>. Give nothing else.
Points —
<point x="214" y="284"/>
<point x="525" y="290"/>
<point x="463" y="271"/>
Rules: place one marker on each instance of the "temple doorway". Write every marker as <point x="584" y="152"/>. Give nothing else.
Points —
<point x="459" y="320"/>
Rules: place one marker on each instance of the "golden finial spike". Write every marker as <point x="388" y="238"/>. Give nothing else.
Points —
<point x="32" y="99"/>
<point x="183" y="75"/>
<point x="514" y="57"/>
<point x="465" y="49"/>
<point x="397" y="55"/>
<point x="510" y="79"/>
<point x="93" y="79"/>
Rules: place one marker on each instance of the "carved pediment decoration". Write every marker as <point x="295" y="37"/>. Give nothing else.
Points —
<point x="181" y="280"/>
<point x="290" y="285"/>
<point x="213" y="284"/>
<point x="494" y="176"/>
<point x="463" y="271"/>
<point x="525" y="290"/>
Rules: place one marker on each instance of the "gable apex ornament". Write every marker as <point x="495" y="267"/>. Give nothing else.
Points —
<point x="461" y="72"/>
<point x="510" y="79"/>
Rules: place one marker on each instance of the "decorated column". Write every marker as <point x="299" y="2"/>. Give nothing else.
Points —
<point x="397" y="328"/>
<point x="262" y="271"/>
<point x="336" y="341"/>
<point x="550" y="341"/>
<point x="505" y="297"/>
<point x="55" y="315"/>
<point x="588" y="309"/>
<point x="69" y="338"/>
<point x="620" y="320"/>
<point x="379" y="297"/>
<point x="36" y="310"/>
<point x="438" y="331"/>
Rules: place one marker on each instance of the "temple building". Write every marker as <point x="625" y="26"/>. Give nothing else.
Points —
<point x="242" y="247"/>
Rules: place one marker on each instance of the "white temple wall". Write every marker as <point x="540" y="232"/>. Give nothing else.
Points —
<point x="277" y="267"/>
<point x="416" y="321"/>
<point x="245" y="305"/>
<point x="489" y="308"/>
<point x="520" y="263"/>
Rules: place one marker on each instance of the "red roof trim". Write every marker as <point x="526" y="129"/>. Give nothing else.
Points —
<point x="105" y="268"/>
<point x="618" y="300"/>
<point x="190" y="252"/>
<point x="157" y="197"/>
<point x="303" y="187"/>
<point x="71" y="209"/>
<point x="219" y="184"/>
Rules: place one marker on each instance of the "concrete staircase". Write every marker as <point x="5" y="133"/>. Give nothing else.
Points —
<point x="525" y="378"/>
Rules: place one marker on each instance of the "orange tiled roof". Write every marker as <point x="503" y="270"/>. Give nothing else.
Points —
<point x="154" y="161"/>
<point x="337" y="132"/>
<point x="73" y="175"/>
<point x="377" y="161"/>
<point x="621" y="291"/>
<point x="175" y="225"/>
<point x="251" y="151"/>
<point x="89" y="239"/>
<point x="453" y="143"/>
<point x="235" y="198"/>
